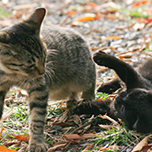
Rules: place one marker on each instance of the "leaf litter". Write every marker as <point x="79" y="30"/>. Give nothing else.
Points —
<point x="121" y="28"/>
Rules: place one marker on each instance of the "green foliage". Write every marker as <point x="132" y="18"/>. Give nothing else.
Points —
<point x="101" y="95"/>
<point x="114" y="136"/>
<point x="132" y="13"/>
<point x="4" y="14"/>
<point x="54" y="111"/>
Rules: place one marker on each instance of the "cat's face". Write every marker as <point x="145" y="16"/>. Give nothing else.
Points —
<point x="134" y="107"/>
<point x="21" y="49"/>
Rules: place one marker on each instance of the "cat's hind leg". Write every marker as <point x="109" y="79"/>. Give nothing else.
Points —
<point x="73" y="99"/>
<point x="89" y="93"/>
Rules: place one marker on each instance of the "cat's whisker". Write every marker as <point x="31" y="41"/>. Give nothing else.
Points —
<point x="51" y="71"/>
<point x="49" y="75"/>
<point x="22" y="83"/>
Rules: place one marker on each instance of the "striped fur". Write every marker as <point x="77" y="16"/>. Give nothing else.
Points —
<point x="64" y="70"/>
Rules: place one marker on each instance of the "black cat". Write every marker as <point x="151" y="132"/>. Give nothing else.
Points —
<point x="134" y="104"/>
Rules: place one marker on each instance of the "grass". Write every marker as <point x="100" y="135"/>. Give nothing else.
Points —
<point x="4" y="14"/>
<point x="17" y="123"/>
<point x="101" y="95"/>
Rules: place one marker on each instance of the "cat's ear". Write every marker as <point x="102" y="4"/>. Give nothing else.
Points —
<point x="37" y="17"/>
<point x="4" y="37"/>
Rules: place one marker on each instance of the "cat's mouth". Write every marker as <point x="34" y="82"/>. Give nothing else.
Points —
<point x="135" y="124"/>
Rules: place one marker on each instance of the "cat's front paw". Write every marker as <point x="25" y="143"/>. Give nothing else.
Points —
<point x="38" y="147"/>
<point x="101" y="58"/>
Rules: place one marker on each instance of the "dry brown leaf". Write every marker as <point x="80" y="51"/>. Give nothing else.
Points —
<point x="76" y="120"/>
<point x="4" y="149"/>
<point x="92" y="4"/>
<point x="63" y="124"/>
<point x="1" y="130"/>
<point x="72" y="136"/>
<point x="6" y="115"/>
<point x="88" y="17"/>
<point x="106" y="126"/>
<point x="71" y="13"/>
<point x="22" y="137"/>
<point x="108" y="118"/>
<point x="85" y="18"/>
<point x="141" y="144"/>
<point x="87" y="148"/>
<point x="76" y="136"/>
<point x="140" y="3"/>
<point x="126" y="55"/>
<point x="55" y="147"/>
<point x="86" y="136"/>
<point x="113" y="37"/>
<point x="147" y="148"/>
<point x="9" y="143"/>
<point x="110" y="147"/>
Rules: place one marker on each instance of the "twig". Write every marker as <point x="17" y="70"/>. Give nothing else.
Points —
<point x="110" y="119"/>
<point x="86" y="124"/>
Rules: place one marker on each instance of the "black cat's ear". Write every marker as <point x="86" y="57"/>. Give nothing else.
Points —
<point x="37" y="17"/>
<point x="4" y="37"/>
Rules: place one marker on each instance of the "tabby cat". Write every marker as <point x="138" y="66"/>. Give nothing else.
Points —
<point x="134" y="104"/>
<point x="59" y="66"/>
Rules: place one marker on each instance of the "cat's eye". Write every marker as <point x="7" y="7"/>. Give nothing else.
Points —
<point x="14" y="64"/>
<point x="31" y="66"/>
<point x="122" y="108"/>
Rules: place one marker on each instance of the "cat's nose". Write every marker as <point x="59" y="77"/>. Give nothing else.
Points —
<point x="41" y="70"/>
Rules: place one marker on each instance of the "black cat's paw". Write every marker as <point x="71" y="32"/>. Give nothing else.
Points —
<point x="103" y="59"/>
<point x="93" y="107"/>
<point x="37" y="147"/>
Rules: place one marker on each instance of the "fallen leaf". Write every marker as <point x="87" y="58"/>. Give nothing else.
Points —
<point x="71" y="13"/>
<point x="139" y="26"/>
<point x="4" y="149"/>
<point x="86" y="136"/>
<point x="72" y="136"/>
<point x="108" y="118"/>
<point x="140" y="3"/>
<point x="142" y="20"/>
<point x="113" y="37"/>
<point x="106" y="126"/>
<point x="110" y="147"/>
<point x="87" y="148"/>
<point x="63" y="124"/>
<point x="6" y="115"/>
<point x="99" y="99"/>
<point x="18" y="15"/>
<point x="88" y="17"/>
<point x="147" y="148"/>
<point x="76" y="136"/>
<point x="148" y="19"/>
<point x="108" y="11"/>
<point x="92" y="4"/>
<point x="55" y="147"/>
<point x="126" y="55"/>
<point x="9" y="143"/>
<point x="1" y="130"/>
<point x="85" y="18"/>
<point x="142" y="143"/>
<point x="22" y="137"/>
